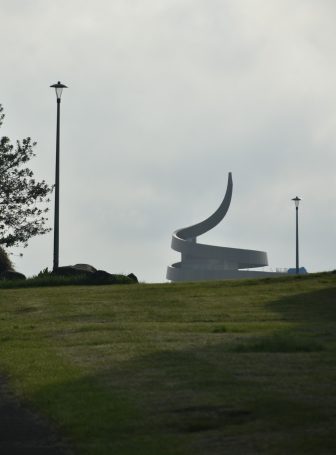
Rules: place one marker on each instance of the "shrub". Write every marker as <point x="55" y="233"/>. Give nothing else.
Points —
<point x="44" y="272"/>
<point x="5" y="262"/>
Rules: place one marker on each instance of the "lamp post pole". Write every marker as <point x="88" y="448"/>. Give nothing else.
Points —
<point x="297" y="201"/>
<point x="58" y="89"/>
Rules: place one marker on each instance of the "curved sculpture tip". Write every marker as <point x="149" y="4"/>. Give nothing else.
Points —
<point x="212" y="221"/>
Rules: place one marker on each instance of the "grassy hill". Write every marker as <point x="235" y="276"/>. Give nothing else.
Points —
<point x="238" y="367"/>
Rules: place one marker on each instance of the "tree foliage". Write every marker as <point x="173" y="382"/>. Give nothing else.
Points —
<point x="5" y="262"/>
<point x="22" y="198"/>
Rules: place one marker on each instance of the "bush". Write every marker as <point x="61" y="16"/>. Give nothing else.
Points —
<point x="5" y="262"/>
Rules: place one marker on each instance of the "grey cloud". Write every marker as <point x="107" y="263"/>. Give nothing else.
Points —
<point x="164" y="99"/>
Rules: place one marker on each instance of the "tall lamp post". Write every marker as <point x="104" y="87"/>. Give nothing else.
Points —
<point x="58" y="89"/>
<point x="297" y="201"/>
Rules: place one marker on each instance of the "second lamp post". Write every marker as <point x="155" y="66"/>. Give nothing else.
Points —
<point x="58" y="89"/>
<point x="297" y="201"/>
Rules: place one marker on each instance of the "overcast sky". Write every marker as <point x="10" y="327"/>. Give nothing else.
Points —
<point x="164" y="99"/>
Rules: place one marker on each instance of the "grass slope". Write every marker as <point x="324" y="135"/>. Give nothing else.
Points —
<point x="238" y="367"/>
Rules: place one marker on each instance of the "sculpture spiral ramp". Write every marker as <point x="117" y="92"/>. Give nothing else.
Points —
<point x="208" y="262"/>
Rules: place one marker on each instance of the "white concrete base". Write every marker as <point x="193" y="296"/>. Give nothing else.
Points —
<point x="177" y="274"/>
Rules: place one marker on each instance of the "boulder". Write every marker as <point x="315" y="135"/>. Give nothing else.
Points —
<point x="75" y="270"/>
<point x="85" y="267"/>
<point x="101" y="276"/>
<point x="70" y="270"/>
<point x="11" y="275"/>
<point x="95" y="276"/>
<point x="133" y="277"/>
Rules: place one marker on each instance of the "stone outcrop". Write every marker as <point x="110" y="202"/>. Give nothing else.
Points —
<point x="133" y="277"/>
<point x="71" y="270"/>
<point x="101" y="276"/>
<point x="94" y="275"/>
<point x="85" y="267"/>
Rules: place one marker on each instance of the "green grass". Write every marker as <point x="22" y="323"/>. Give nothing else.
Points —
<point x="241" y="367"/>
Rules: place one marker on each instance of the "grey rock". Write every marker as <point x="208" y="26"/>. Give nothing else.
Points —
<point x="75" y="270"/>
<point x="133" y="277"/>
<point x="103" y="276"/>
<point x="85" y="267"/>
<point x="93" y="275"/>
<point x="70" y="270"/>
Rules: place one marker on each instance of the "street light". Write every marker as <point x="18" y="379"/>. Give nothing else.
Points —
<point x="297" y="202"/>
<point x="58" y="89"/>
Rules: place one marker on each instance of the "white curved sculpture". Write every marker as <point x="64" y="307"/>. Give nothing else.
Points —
<point x="207" y="262"/>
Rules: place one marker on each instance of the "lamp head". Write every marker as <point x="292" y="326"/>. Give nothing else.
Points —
<point x="58" y="89"/>
<point x="297" y="201"/>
